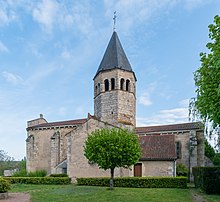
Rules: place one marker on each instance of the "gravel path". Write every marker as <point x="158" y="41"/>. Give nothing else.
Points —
<point x="17" y="197"/>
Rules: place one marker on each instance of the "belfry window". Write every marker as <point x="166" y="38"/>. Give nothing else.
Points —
<point x="99" y="88"/>
<point x="122" y="84"/>
<point x="106" y="85"/>
<point x="127" y="85"/>
<point x="178" y="150"/>
<point x="112" y="84"/>
<point x="96" y="90"/>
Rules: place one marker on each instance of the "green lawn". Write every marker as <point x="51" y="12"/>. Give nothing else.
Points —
<point x="64" y="193"/>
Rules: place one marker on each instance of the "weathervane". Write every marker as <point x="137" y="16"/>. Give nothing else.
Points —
<point x="114" y="19"/>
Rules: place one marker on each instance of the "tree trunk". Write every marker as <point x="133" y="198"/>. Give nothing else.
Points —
<point x="111" y="179"/>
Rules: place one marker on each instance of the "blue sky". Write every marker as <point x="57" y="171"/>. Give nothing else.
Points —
<point x="51" y="49"/>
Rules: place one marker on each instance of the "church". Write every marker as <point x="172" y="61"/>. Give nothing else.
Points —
<point x="57" y="147"/>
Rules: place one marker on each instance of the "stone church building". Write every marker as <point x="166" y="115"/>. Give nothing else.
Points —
<point x="58" y="146"/>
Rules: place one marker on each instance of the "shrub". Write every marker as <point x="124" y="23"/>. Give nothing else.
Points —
<point x="37" y="173"/>
<point x="39" y="180"/>
<point x="59" y="175"/>
<point x="4" y="185"/>
<point x="142" y="182"/>
<point x="208" y="179"/>
<point x="21" y="173"/>
<point x="181" y="170"/>
<point x="24" y="173"/>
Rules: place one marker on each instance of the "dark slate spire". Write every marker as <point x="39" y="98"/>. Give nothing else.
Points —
<point x="114" y="57"/>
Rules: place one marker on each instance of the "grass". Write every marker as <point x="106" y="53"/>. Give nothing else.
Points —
<point x="73" y="193"/>
<point x="69" y="193"/>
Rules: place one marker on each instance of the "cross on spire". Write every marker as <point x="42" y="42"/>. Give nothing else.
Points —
<point x="114" y="19"/>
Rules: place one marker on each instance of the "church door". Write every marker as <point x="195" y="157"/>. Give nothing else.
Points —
<point x="138" y="170"/>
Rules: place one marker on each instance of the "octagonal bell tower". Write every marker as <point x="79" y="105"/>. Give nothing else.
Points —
<point x="115" y="87"/>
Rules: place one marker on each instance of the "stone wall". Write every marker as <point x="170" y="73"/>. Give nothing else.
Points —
<point x="115" y="106"/>
<point x="38" y="148"/>
<point x="77" y="164"/>
<point x="158" y="168"/>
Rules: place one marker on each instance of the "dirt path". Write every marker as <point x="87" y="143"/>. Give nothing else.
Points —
<point x="196" y="196"/>
<point x="17" y="197"/>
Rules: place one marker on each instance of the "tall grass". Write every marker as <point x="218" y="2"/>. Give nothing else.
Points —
<point x="24" y="173"/>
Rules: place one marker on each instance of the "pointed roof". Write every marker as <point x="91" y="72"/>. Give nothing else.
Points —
<point x="114" y="57"/>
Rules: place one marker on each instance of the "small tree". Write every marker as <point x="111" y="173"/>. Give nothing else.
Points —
<point x="112" y="148"/>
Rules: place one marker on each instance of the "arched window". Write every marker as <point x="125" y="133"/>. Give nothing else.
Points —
<point x="98" y="88"/>
<point x="112" y="84"/>
<point x="178" y="150"/>
<point x="122" y="84"/>
<point x="106" y="85"/>
<point x="127" y="85"/>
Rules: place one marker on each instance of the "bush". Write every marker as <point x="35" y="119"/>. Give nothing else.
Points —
<point x="21" y="173"/>
<point x="181" y="170"/>
<point x="59" y="175"/>
<point x="38" y="180"/>
<point x="141" y="182"/>
<point x="4" y="185"/>
<point x="37" y="173"/>
<point x="24" y="173"/>
<point x="207" y="178"/>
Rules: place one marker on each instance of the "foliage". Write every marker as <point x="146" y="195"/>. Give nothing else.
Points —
<point x="22" y="164"/>
<point x="6" y="162"/>
<point x="21" y="173"/>
<point x="181" y="170"/>
<point x="138" y="182"/>
<point x="38" y="180"/>
<point x="209" y="150"/>
<point x="24" y="173"/>
<point x="4" y="185"/>
<point x="207" y="178"/>
<point x="111" y="148"/>
<point x="59" y="175"/>
<point x="66" y="193"/>
<point x="216" y="159"/>
<point x="207" y="77"/>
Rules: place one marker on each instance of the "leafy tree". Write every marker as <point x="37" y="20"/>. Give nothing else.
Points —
<point x="6" y="162"/>
<point x="209" y="150"/>
<point x="216" y="159"/>
<point x="207" y="77"/>
<point x="112" y="148"/>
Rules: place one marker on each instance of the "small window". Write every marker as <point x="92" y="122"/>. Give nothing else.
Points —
<point x="112" y="84"/>
<point x="127" y="85"/>
<point x="98" y="88"/>
<point x="178" y="150"/>
<point x="106" y="85"/>
<point x="122" y="84"/>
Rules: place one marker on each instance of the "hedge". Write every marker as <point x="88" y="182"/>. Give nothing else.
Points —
<point x="207" y="179"/>
<point x="38" y="180"/>
<point x="141" y="182"/>
<point x="4" y="185"/>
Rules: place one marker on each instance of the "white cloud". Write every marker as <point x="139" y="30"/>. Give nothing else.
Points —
<point x="166" y="116"/>
<point x="184" y="103"/>
<point x="12" y="78"/>
<point x="3" y="48"/>
<point x="66" y="54"/>
<point x="192" y="4"/>
<point x="45" y="14"/>
<point x="144" y="98"/>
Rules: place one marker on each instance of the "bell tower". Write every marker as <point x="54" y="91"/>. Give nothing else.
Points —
<point x="115" y="87"/>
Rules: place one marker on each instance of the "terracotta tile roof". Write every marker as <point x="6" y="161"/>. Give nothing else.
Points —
<point x="60" y="123"/>
<point x="158" y="147"/>
<point x="170" y="128"/>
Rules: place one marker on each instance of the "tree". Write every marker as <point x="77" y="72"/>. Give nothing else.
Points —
<point x="112" y="148"/>
<point x="207" y="77"/>
<point x="209" y="150"/>
<point x="6" y="162"/>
